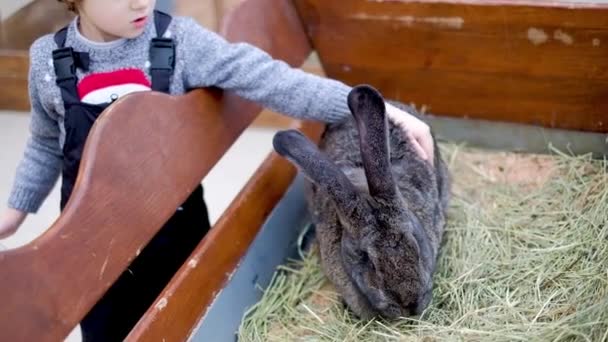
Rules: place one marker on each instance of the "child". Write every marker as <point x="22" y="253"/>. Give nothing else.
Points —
<point x="117" y="47"/>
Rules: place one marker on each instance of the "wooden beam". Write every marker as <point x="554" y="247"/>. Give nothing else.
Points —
<point x="208" y="13"/>
<point x="36" y="19"/>
<point x="203" y="11"/>
<point x="14" y="67"/>
<point x="534" y="62"/>
<point x="17" y="33"/>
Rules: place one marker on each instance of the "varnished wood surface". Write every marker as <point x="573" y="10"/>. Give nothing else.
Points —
<point x="533" y="62"/>
<point x="14" y="65"/>
<point x="168" y="144"/>
<point x="35" y="19"/>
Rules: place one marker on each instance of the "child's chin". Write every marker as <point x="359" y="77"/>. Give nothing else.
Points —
<point x="129" y="31"/>
<point x="132" y="33"/>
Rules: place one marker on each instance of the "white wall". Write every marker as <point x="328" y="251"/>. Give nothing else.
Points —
<point x="8" y="7"/>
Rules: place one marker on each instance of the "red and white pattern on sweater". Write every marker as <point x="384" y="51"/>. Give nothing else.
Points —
<point x="100" y="88"/>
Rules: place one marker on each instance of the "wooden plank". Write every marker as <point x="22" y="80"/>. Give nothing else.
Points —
<point x="187" y="297"/>
<point x="35" y="19"/>
<point x="208" y="13"/>
<point x="272" y="120"/>
<point x="203" y="11"/>
<point x="533" y="62"/>
<point x="14" y="66"/>
<point x="17" y="33"/>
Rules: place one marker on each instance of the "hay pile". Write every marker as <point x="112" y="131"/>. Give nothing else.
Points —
<point x="525" y="257"/>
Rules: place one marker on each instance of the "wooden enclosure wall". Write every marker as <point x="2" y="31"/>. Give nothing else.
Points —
<point x="17" y="33"/>
<point x="539" y="62"/>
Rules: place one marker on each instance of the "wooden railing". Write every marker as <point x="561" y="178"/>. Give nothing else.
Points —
<point x="144" y="155"/>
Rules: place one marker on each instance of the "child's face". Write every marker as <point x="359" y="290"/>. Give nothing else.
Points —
<point x="107" y="20"/>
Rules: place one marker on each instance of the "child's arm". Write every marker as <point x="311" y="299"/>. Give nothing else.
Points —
<point x="251" y="73"/>
<point x="209" y="60"/>
<point x="40" y="166"/>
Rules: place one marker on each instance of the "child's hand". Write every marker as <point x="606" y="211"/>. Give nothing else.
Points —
<point x="416" y="130"/>
<point x="10" y="222"/>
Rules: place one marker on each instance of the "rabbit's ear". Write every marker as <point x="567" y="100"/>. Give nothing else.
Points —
<point x="369" y="110"/>
<point x="317" y="167"/>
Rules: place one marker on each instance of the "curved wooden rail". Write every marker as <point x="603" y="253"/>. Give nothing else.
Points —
<point x="165" y="143"/>
<point x="143" y="157"/>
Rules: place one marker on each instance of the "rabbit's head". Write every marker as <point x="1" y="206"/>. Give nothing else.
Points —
<point x="385" y="249"/>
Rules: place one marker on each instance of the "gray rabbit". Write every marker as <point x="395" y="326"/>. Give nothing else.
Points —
<point x="379" y="209"/>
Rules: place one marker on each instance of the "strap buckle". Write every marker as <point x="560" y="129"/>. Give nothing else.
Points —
<point x="64" y="62"/>
<point x="162" y="54"/>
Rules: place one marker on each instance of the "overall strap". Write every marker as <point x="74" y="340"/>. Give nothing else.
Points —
<point x="60" y="37"/>
<point x="65" y="62"/>
<point x="162" y="54"/>
<point x="161" y="22"/>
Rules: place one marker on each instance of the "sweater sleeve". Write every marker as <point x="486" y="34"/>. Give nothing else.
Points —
<point x="253" y="74"/>
<point x="40" y="166"/>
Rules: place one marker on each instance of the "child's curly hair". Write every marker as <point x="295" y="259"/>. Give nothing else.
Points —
<point x="71" y="4"/>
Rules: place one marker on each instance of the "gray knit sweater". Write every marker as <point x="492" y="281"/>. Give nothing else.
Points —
<point x="203" y="59"/>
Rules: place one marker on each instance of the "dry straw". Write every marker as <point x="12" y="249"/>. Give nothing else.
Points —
<point x="525" y="258"/>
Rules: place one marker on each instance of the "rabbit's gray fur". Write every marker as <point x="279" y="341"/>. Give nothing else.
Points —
<point x="379" y="235"/>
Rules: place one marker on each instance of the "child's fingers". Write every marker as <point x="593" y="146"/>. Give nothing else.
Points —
<point x="426" y="144"/>
<point x="417" y="147"/>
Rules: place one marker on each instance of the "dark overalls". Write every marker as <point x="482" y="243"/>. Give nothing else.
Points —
<point x="113" y="317"/>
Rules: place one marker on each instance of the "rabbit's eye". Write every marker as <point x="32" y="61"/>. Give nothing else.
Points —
<point x="364" y="258"/>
